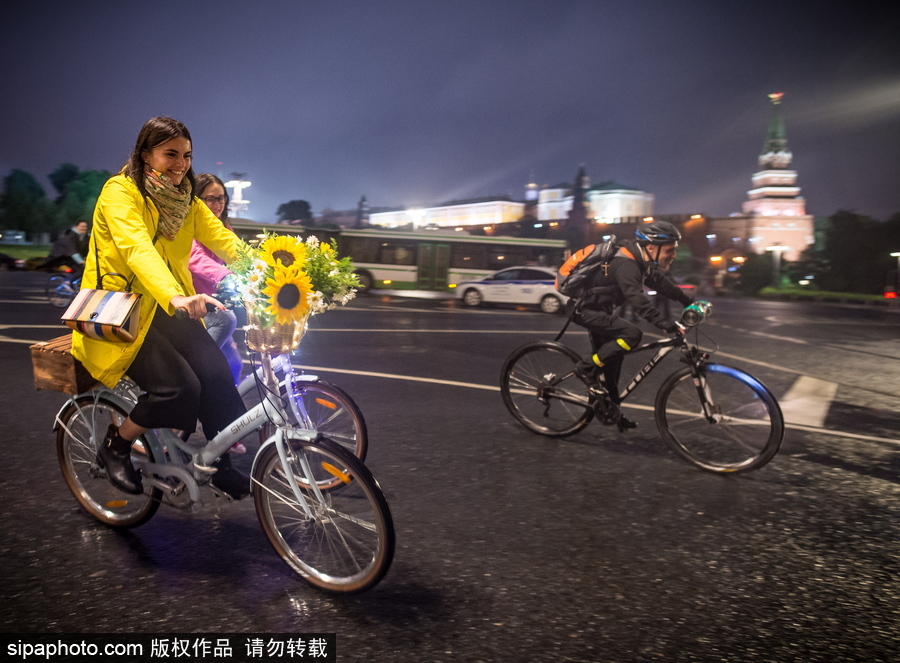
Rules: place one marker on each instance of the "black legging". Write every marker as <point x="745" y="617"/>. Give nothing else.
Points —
<point x="185" y="376"/>
<point x="611" y="337"/>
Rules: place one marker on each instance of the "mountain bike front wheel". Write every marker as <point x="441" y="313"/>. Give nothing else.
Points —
<point x="342" y="539"/>
<point x="726" y="421"/>
<point x="541" y="390"/>
<point x="81" y="427"/>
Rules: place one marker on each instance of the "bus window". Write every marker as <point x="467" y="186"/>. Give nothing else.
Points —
<point x="397" y="253"/>
<point x="498" y="259"/>
<point x="468" y="256"/>
<point x="361" y="249"/>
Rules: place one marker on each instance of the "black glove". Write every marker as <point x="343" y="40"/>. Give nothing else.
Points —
<point x="668" y="327"/>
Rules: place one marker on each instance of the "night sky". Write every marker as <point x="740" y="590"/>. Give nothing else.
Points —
<point x="422" y="102"/>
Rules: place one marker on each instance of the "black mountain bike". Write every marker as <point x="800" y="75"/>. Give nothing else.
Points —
<point x="719" y="418"/>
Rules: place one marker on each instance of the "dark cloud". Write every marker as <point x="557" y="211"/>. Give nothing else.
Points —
<point x="421" y="102"/>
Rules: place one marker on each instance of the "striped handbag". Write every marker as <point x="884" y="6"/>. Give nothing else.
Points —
<point x="106" y="315"/>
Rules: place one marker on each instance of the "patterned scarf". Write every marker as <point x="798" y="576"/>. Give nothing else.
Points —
<point x="172" y="202"/>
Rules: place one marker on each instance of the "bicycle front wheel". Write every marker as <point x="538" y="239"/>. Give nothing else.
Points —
<point x="82" y="426"/>
<point x="330" y="412"/>
<point x="541" y="390"/>
<point x="339" y="538"/>
<point x="740" y="429"/>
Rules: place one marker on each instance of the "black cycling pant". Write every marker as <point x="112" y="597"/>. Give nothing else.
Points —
<point x="611" y="338"/>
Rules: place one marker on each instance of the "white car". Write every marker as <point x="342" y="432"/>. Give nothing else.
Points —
<point x="515" y="285"/>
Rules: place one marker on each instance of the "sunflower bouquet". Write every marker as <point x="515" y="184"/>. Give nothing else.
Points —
<point x="283" y="281"/>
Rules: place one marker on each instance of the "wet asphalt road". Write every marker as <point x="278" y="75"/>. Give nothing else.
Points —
<point x="510" y="547"/>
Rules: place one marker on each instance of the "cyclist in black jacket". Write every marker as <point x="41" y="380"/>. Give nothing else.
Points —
<point x="637" y="262"/>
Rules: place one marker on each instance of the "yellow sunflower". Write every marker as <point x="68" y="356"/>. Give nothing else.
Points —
<point x="288" y="251"/>
<point x="288" y="295"/>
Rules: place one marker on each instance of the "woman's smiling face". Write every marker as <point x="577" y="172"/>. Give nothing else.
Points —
<point x="173" y="158"/>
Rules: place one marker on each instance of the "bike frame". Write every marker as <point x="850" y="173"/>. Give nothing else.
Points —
<point x="188" y="464"/>
<point x="665" y="346"/>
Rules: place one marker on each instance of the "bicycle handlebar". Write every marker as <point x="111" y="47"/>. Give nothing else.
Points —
<point x="181" y="313"/>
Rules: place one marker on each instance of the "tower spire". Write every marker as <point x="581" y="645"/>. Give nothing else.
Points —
<point x="775" y="153"/>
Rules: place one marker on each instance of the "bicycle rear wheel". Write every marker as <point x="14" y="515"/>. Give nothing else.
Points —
<point x="744" y="428"/>
<point x="347" y="543"/>
<point x="82" y="426"/>
<point x="541" y="390"/>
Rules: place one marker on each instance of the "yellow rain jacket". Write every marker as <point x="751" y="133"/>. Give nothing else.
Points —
<point x="124" y="226"/>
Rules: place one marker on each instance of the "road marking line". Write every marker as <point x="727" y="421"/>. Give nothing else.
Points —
<point x="471" y="385"/>
<point x="635" y="406"/>
<point x="807" y="401"/>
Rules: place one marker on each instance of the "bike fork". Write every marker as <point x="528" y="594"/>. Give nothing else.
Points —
<point x="704" y="393"/>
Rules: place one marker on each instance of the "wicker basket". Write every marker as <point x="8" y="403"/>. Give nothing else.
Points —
<point x="279" y="339"/>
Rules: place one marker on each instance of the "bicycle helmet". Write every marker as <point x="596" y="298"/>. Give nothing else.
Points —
<point x="657" y="232"/>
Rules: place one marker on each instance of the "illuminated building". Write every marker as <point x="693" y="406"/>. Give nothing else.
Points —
<point x="774" y="214"/>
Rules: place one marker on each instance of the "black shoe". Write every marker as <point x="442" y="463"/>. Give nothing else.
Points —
<point x="588" y="372"/>
<point x="625" y="424"/>
<point x="115" y="455"/>
<point x="229" y="479"/>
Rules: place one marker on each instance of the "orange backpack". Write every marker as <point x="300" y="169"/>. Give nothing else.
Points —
<point x="573" y="277"/>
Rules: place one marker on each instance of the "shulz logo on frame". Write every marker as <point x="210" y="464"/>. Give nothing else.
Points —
<point x="244" y="421"/>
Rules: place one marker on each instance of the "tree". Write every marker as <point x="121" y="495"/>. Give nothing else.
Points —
<point x="79" y="197"/>
<point x="24" y="204"/>
<point x="295" y="210"/>
<point x="61" y="177"/>
<point x="756" y="273"/>
<point x="855" y="249"/>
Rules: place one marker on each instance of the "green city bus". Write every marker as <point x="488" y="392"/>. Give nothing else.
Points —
<point x="422" y="260"/>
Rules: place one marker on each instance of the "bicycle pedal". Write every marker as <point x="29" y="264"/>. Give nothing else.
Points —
<point x="220" y="493"/>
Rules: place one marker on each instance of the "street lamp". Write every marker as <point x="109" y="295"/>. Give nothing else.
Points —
<point x="777" y="250"/>
<point x="237" y="205"/>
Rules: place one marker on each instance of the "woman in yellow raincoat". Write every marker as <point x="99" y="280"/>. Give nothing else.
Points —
<point x="145" y="221"/>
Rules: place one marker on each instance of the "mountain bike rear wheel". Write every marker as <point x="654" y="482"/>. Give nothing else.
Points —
<point x="346" y="543"/>
<point x="742" y="429"/>
<point x="82" y="426"/>
<point x="58" y="293"/>
<point x="541" y="390"/>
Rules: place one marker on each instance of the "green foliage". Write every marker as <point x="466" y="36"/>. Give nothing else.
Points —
<point x="857" y="253"/>
<point x="295" y="210"/>
<point x="62" y="177"/>
<point x="79" y="197"/>
<point x="24" y="205"/>
<point x="756" y="273"/>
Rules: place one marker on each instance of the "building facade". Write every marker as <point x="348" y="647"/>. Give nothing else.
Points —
<point x="607" y="203"/>
<point x="480" y="212"/>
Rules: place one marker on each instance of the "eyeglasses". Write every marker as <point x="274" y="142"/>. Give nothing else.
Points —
<point x="214" y="200"/>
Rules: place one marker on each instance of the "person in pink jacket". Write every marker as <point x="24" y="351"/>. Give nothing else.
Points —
<point x="208" y="270"/>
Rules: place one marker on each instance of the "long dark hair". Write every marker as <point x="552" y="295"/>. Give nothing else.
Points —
<point x="156" y="131"/>
<point x="203" y="181"/>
